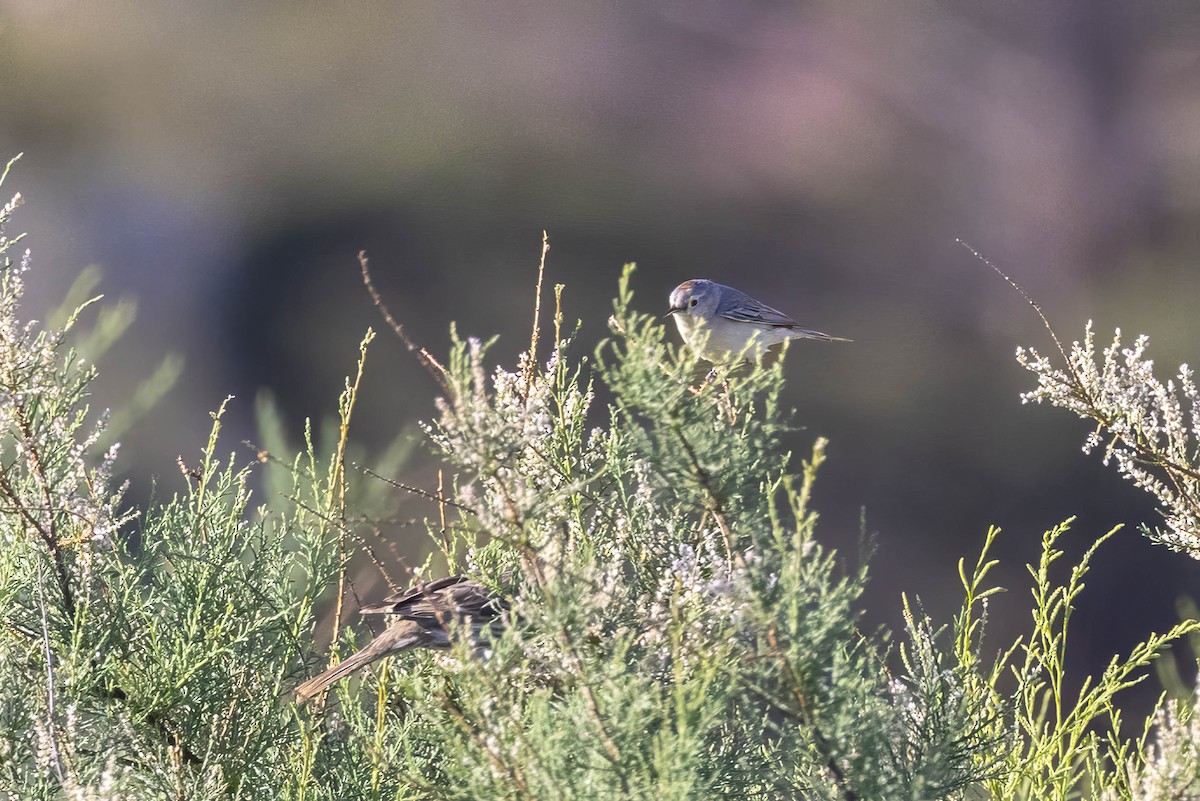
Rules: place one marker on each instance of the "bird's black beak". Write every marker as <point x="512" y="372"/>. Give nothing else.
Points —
<point x="674" y="310"/>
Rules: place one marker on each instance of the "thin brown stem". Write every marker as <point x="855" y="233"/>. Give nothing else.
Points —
<point x="61" y="575"/>
<point x="335" y="502"/>
<point x="441" y="501"/>
<point x="804" y="714"/>
<point x="712" y="503"/>
<point x="498" y="763"/>
<point x="531" y="364"/>
<point x="611" y="751"/>
<point x="51" y="724"/>
<point x="1028" y="298"/>
<point x="431" y="365"/>
<point x="433" y="496"/>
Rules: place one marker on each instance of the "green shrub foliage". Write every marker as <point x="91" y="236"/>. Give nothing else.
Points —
<point x="675" y="628"/>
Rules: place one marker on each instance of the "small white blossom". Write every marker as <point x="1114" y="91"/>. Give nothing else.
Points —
<point x="1146" y="431"/>
<point x="1170" y="768"/>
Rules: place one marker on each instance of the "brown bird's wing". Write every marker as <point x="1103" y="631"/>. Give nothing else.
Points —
<point x="433" y="602"/>
<point x="402" y="603"/>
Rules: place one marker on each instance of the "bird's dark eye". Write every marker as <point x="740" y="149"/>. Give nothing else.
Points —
<point x="693" y="303"/>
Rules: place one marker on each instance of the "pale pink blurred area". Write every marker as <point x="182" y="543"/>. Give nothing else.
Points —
<point x="224" y="163"/>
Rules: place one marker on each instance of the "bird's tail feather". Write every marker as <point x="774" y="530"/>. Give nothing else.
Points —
<point x="808" y="333"/>
<point x="382" y="646"/>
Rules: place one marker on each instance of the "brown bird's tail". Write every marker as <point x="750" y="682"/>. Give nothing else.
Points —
<point x="400" y="636"/>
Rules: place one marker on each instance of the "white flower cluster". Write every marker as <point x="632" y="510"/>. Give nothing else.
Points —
<point x="1151" y="430"/>
<point x="51" y="480"/>
<point x="701" y="591"/>
<point x="502" y="434"/>
<point x="906" y="702"/>
<point x="1170" y="768"/>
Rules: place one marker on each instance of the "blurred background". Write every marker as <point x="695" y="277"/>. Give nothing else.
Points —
<point x="223" y="163"/>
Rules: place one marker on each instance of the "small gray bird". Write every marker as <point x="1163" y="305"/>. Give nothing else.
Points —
<point x="428" y="614"/>
<point x="722" y="324"/>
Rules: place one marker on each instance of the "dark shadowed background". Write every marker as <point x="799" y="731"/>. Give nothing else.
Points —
<point x="223" y="163"/>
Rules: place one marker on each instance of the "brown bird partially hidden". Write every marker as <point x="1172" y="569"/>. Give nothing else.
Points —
<point x="429" y="614"/>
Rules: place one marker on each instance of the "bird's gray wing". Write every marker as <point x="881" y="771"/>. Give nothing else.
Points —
<point x="742" y="308"/>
